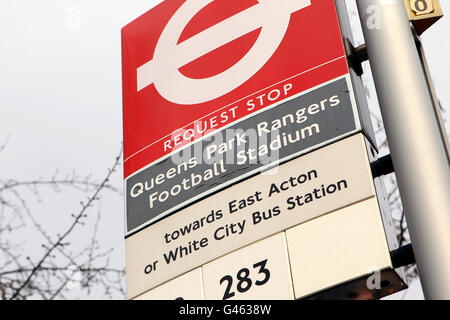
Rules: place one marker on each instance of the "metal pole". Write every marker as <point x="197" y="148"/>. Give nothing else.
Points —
<point x="416" y="143"/>
<point x="432" y="90"/>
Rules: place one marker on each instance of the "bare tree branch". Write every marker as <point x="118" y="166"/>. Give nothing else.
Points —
<point x="59" y="268"/>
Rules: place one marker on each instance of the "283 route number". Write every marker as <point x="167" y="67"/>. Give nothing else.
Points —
<point x="244" y="280"/>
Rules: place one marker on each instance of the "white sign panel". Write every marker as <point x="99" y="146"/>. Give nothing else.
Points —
<point x="189" y="286"/>
<point x="259" y="271"/>
<point x="338" y="247"/>
<point x="300" y="190"/>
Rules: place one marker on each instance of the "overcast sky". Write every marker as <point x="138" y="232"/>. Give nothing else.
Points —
<point x="61" y="96"/>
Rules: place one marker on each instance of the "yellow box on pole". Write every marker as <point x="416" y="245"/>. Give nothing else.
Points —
<point x="423" y="13"/>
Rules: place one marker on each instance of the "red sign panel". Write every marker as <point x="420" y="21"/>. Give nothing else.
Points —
<point x="191" y="67"/>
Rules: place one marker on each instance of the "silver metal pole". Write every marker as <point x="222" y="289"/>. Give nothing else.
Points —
<point x="417" y="147"/>
<point x="432" y="91"/>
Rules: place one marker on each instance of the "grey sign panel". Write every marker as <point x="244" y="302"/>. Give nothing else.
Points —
<point x="276" y="134"/>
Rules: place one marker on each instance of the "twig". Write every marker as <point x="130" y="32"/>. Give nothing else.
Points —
<point x="76" y="221"/>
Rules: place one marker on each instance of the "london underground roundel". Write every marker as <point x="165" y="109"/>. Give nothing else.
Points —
<point x="196" y="64"/>
<point x="184" y="90"/>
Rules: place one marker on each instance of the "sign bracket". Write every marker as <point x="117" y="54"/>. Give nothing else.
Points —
<point x="356" y="55"/>
<point x="382" y="166"/>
